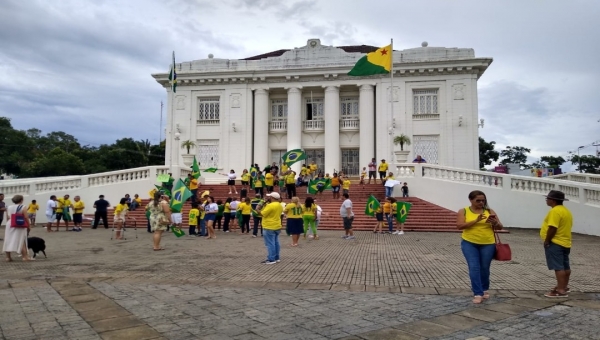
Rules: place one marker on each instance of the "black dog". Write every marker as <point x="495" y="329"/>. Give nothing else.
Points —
<point x="36" y="244"/>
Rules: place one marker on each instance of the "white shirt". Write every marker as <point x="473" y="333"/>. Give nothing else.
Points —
<point x="319" y="211"/>
<point x="233" y="205"/>
<point x="213" y="207"/>
<point x="283" y="206"/>
<point x="231" y="176"/>
<point x="49" y="207"/>
<point x="347" y="204"/>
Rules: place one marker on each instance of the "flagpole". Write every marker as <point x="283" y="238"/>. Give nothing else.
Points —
<point x="160" y="127"/>
<point x="174" y="140"/>
<point x="392" y="101"/>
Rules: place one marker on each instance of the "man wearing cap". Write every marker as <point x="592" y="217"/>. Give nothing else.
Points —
<point x="271" y="223"/>
<point x="556" y="234"/>
<point x="383" y="167"/>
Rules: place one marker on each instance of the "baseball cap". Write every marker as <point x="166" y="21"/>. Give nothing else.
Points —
<point x="274" y="195"/>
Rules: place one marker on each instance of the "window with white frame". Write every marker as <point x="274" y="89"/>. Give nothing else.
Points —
<point x="349" y="108"/>
<point x="279" y="109"/>
<point x="425" y="102"/>
<point x="314" y="109"/>
<point x="208" y="110"/>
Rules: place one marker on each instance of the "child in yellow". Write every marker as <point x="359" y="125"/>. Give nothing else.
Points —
<point x="32" y="211"/>
<point x="346" y="185"/>
<point x="309" y="212"/>
<point x="193" y="219"/>
<point x="363" y="174"/>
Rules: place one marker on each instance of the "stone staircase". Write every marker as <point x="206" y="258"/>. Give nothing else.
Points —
<point x="423" y="216"/>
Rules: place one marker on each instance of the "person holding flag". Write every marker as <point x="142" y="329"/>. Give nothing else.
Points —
<point x="192" y="186"/>
<point x="180" y="195"/>
<point x="293" y="156"/>
<point x="401" y="212"/>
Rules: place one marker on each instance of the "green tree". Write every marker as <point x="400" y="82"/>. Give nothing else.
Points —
<point x="15" y="148"/>
<point x="553" y="161"/>
<point x="587" y="163"/>
<point x="515" y="155"/>
<point x="54" y="164"/>
<point x="487" y="153"/>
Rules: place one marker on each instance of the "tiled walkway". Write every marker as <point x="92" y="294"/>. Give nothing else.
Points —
<point x="413" y="286"/>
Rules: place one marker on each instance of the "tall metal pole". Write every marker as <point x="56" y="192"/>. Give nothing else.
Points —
<point x="391" y="143"/>
<point x="160" y="127"/>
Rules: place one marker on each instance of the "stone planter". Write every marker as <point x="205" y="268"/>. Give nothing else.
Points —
<point x="401" y="156"/>
<point x="187" y="159"/>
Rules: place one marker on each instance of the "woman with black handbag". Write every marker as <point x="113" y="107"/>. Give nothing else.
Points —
<point x="478" y="223"/>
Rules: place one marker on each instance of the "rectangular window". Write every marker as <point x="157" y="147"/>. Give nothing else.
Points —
<point x="279" y="109"/>
<point x="349" y="108"/>
<point x="276" y="156"/>
<point x="427" y="147"/>
<point x="425" y="102"/>
<point x="314" y="109"/>
<point x="208" y="153"/>
<point x="208" y="111"/>
<point x="350" y="162"/>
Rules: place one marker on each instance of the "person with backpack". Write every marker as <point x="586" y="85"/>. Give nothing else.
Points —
<point x="17" y="227"/>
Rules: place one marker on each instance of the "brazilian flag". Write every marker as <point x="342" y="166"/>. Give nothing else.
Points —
<point x="313" y="186"/>
<point x="253" y="172"/>
<point x="196" y="169"/>
<point x="180" y="194"/>
<point x="293" y="156"/>
<point x="372" y="206"/>
<point x="177" y="231"/>
<point x="164" y="190"/>
<point x="211" y="170"/>
<point x="66" y="214"/>
<point x="402" y="209"/>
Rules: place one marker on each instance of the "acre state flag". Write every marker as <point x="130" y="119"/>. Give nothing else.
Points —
<point x="378" y="62"/>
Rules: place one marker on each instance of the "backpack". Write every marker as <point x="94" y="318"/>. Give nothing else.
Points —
<point x="18" y="220"/>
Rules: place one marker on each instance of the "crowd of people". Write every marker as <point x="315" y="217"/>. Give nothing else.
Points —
<point x="267" y="210"/>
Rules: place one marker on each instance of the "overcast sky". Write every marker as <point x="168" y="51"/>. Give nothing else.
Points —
<point x="84" y="67"/>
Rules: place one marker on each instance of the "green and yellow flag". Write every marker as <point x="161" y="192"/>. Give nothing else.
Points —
<point x="163" y="190"/>
<point x="177" y="231"/>
<point x="402" y="209"/>
<point x="211" y="170"/>
<point x="253" y="172"/>
<point x="196" y="169"/>
<point x="372" y="205"/>
<point x="313" y="186"/>
<point x="173" y="76"/>
<point x="293" y="156"/>
<point x="378" y="62"/>
<point x="180" y="194"/>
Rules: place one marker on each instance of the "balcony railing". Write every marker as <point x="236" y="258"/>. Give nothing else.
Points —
<point x="314" y="125"/>
<point x="207" y="122"/>
<point x="352" y="124"/>
<point x="278" y="126"/>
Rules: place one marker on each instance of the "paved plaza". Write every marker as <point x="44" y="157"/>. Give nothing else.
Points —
<point x="413" y="286"/>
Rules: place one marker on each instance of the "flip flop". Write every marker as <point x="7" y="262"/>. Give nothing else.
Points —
<point x="159" y="249"/>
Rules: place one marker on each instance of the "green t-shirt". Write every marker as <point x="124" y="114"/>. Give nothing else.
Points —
<point x="221" y="209"/>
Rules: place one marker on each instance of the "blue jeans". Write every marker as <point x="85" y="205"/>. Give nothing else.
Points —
<point x="388" y="191"/>
<point x="479" y="258"/>
<point x="272" y="243"/>
<point x="390" y="221"/>
<point x="257" y="221"/>
<point x="202" y="227"/>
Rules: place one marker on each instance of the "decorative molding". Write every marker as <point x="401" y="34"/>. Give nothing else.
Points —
<point x="180" y="102"/>
<point x="459" y="91"/>
<point x="349" y="135"/>
<point x="396" y="94"/>
<point x="235" y="99"/>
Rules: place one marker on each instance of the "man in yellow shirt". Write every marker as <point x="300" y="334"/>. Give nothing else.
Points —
<point x="193" y="187"/>
<point x="63" y="211"/>
<point x="32" y="211"/>
<point x="269" y="181"/>
<point x="290" y="184"/>
<point x="313" y="169"/>
<point x="271" y="223"/>
<point x="346" y="185"/>
<point x="383" y="167"/>
<point x="556" y="234"/>
<point x="78" y="208"/>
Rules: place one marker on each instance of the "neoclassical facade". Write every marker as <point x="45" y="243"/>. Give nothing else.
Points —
<point x="253" y="110"/>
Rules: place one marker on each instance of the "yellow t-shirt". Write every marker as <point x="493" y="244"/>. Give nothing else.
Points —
<point x="313" y="167"/>
<point x="560" y="218"/>
<point x="62" y="203"/>
<point x="32" y="208"/>
<point x="120" y="209"/>
<point x="303" y="171"/>
<point x="363" y="175"/>
<point x="335" y="181"/>
<point x="383" y="167"/>
<point x="271" y="216"/>
<point x="312" y="211"/>
<point x="193" y="184"/>
<point x="227" y="208"/>
<point x="290" y="179"/>
<point x="138" y="200"/>
<point x="389" y="177"/>
<point x="480" y="233"/>
<point x="245" y="208"/>
<point x="346" y="184"/>
<point x="387" y="207"/>
<point x="246" y="177"/>
<point x="202" y="213"/>
<point x="379" y="210"/>
<point x="193" y="216"/>
<point x="394" y="208"/>
<point x="293" y="211"/>
<point x="78" y="207"/>
<point x="152" y="192"/>
<point x="258" y="183"/>
<point x="269" y="180"/>
<point x="284" y="168"/>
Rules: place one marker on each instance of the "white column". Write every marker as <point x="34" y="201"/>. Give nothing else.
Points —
<point x="366" y="102"/>
<point x="332" y="128"/>
<point x="294" y="123"/>
<point x="261" y="127"/>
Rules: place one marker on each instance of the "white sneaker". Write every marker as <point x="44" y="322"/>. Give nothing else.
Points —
<point x="395" y="233"/>
<point x="400" y="233"/>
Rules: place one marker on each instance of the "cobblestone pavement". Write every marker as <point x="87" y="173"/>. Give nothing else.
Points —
<point x="413" y="286"/>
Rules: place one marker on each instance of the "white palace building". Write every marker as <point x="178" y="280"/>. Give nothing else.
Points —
<point x="240" y="112"/>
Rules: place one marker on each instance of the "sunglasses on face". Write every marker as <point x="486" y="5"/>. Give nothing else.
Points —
<point x="480" y="201"/>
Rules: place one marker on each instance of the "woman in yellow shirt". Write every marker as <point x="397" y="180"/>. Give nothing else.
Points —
<point x="120" y="217"/>
<point x="387" y="213"/>
<point x="78" y="208"/>
<point x="245" y="179"/>
<point x="290" y="184"/>
<point x="269" y="181"/>
<point x="246" y="208"/>
<point x="309" y="212"/>
<point x="478" y="223"/>
<point x="379" y="217"/>
<point x="335" y="186"/>
<point x="227" y="214"/>
<point x="293" y="213"/>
